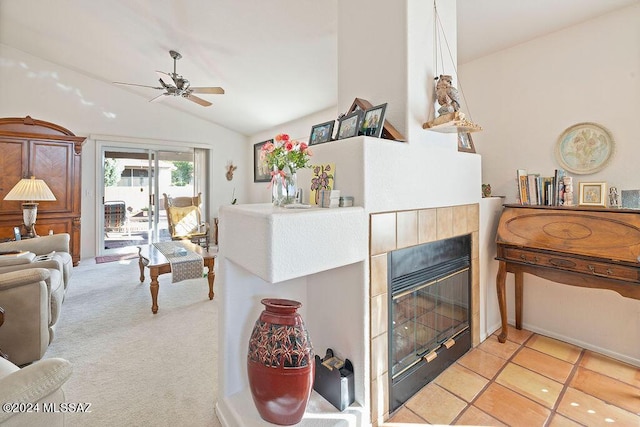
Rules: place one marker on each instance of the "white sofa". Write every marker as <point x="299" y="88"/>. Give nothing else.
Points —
<point x="31" y="387"/>
<point x="31" y="293"/>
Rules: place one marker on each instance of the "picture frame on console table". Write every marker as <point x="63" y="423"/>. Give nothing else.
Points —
<point x="593" y="194"/>
<point x="261" y="172"/>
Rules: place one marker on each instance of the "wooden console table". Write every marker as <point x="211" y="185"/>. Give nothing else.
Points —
<point x="579" y="246"/>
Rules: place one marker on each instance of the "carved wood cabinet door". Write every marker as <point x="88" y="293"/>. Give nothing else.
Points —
<point x="13" y="160"/>
<point x="53" y="162"/>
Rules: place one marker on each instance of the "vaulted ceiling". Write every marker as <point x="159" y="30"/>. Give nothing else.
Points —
<point x="276" y="59"/>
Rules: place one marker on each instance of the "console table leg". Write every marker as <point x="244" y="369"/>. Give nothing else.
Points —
<point x="518" y="288"/>
<point x="502" y="298"/>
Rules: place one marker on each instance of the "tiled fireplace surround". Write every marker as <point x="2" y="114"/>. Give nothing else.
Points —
<point x="400" y="229"/>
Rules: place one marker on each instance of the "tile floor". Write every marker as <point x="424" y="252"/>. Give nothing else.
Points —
<point x="531" y="380"/>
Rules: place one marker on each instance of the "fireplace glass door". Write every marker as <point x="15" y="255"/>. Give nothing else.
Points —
<point x="426" y="316"/>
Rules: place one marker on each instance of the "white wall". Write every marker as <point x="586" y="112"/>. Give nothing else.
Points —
<point x="525" y="97"/>
<point x="86" y="106"/>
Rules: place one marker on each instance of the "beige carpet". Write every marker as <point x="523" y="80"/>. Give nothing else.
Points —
<point x="134" y="367"/>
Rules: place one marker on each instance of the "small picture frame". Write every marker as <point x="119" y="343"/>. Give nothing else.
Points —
<point x="321" y="133"/>
<point x="16" y="233"/>
<point x="593" y="194"/>
<point x="630" y="199"/>
<point x="349" y="125"/>
<point x="261" y="172"/>
<point x="465" y="143"/>
<point x="373" y="121"/>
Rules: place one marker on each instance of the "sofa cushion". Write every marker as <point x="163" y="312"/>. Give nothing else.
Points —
<point x="67" y="265"/>
<point x="185" y="220"/>
<point x="32" y="383"/>
<point x="17" y="259"/>
<point x="56" y="292"/>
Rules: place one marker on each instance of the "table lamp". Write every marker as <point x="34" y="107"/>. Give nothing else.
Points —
<point x="31" y="191"/>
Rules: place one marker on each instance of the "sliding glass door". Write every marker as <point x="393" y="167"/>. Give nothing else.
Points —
<point x="135" y="180"/>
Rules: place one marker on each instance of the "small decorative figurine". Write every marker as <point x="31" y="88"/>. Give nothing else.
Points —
<point x="486" y="190"/>
<point x="230" y="169"/>
<point x="614" y="198"/>
<point x="447" y="95"/>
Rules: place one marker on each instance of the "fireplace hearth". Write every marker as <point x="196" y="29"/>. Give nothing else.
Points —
<point x="429" y="312"/>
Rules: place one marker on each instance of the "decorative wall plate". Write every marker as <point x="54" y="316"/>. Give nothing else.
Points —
<point x="585" y="148"/>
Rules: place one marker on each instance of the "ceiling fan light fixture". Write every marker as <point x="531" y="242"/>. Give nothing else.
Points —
<point x="175" y="85"/>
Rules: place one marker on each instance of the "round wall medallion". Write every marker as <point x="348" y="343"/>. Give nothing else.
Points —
<point x="585" y="148"/>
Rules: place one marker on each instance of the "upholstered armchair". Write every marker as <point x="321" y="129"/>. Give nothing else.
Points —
<point x="36" y="384"/>
<point x="185" y="219"/>
<point x="57" y="244"/>
<point x="32" y="301"/>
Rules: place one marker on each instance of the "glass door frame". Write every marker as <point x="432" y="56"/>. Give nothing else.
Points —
<point x="203" y="156"/>
<point x="151" y="189"/>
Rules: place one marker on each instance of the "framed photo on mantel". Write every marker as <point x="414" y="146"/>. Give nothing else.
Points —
<point x="373" y="121"/>
<point x="349" y="125"/>
<point x="388" y="130"/>
<point x="321" y="133"/>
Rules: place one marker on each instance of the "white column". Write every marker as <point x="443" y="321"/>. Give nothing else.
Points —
<point x="386" y="54"/>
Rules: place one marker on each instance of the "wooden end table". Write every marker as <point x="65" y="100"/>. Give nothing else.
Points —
<point x="149" y="256"/>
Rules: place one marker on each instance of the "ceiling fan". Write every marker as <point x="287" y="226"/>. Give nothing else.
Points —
<point x="174" y="84"/>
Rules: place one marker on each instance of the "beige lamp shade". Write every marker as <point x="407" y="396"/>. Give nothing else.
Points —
<point x="30" y="190"/>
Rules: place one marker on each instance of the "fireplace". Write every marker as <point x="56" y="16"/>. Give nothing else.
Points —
<point x="429" y="312"/>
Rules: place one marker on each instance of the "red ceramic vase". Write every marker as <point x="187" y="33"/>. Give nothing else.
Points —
<point x="280" y="363"/>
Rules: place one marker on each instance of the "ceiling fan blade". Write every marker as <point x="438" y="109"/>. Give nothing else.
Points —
<point x="213" y="90"/>
<point x="166" y="78"/>
<point x="197" y="100"/>
<point x="133" y="84"/>
<point x="158" y="98"/>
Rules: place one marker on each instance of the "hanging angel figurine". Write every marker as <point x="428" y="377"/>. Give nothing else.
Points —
<point x="447" y="95"/>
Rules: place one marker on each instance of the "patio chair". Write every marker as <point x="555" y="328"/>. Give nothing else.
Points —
<point x="115" y="216"/>
<point x="185" y="219"/>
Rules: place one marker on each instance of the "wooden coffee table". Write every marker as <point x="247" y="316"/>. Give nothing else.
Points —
<point x="157" y="263"/>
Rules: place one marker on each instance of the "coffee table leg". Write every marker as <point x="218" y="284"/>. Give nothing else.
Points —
<point x="154" y="291"/>
<point x="211" y="275"/>
<point x="141" y="264"/>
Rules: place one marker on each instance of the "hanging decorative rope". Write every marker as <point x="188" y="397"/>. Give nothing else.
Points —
<point x="450" y="119"/>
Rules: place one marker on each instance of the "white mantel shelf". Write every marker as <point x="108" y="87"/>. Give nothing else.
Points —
<point x="278" y="244"/>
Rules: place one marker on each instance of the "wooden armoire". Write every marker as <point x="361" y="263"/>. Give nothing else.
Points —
<point x="30" y="147"/>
